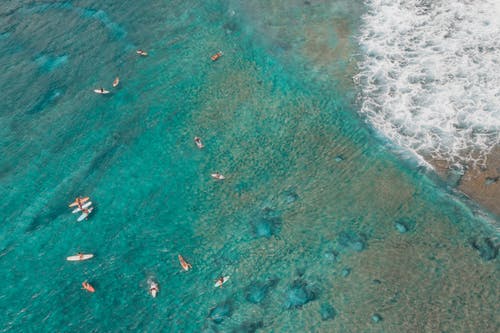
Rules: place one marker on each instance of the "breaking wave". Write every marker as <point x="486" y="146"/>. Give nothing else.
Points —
<point x="430" y="76"/>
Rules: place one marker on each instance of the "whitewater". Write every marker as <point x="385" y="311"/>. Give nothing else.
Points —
<point x="430" y="76"/>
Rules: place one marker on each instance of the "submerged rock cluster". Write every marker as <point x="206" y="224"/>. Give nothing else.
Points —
<point x="299" y="294"/>
<point x="487" y="248"/>
<point x="267" y="223"/>
<point x="350" y="240"/>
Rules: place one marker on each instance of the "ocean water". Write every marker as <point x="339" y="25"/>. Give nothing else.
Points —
<point x="320" y="227"/>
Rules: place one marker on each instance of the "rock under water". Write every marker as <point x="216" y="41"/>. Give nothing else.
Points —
<point x="267" y="223"/>
<point x="401" y="227"/>
<point x="404" y="225"/>
<point x="290" y="196"/>
<point x="346" y="272"/>
<point x="327" y="312"/>
<point x="350" y="240"/>
<point x="377" y="318"/>
<point x="221" y="311"/>
<point x="298" y="294"/>
<point x="486" y="247"/>
<point x="257" y="292"/>
<point x="331" y="256"/>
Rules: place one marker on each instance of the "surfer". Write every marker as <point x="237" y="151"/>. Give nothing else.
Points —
<point x="87" y="286"/>
<point x="79" y="203"/>
<point x="220" y="281"/>
<point x="86" y="212"/>
<point x="216" y="56"/>
<point x="217" y="176"/>
<point x="154" y="289"/>
<point x="185" y="265"/>
<point x="198" y="142"/>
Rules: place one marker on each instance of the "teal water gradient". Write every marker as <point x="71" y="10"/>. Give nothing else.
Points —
<point x="307" y="223"/>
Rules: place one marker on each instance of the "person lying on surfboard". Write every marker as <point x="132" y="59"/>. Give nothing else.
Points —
<point x="221" y="281"/>
<point x="87" y="286"/>
<point x="217" y="176"/>
<point x="216" y="56"/>
<point x="153" y="290"/>
<point x="185" y="265"/>
<point x="86" y="211"/>
<point x="198" y="142"/>
<point x="79" y="201"/>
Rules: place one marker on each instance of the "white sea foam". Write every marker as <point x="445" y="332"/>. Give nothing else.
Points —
<point x="430" y="75"/>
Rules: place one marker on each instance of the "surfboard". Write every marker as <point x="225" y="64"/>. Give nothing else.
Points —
<point x="87" y="286"/>
<point x="85" y="205"/>
<point x="198" y="142"/>
<point x="220" y="283"/>
<point x="116" y="81"/>
<point x="84" y="215"/>
<point x="80" y="257"/>
<point x="217" y="176"/>
<point x="216" y="56"/>
<point x="103" y="91"/>
<point x="154" y="289"/>
<point x="185" y="265"/>
<point x="82" y="200"/>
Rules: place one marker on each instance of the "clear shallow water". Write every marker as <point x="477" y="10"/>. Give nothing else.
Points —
<point x="308" y="223"/>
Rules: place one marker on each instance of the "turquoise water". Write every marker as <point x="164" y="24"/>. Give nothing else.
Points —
<point x="319" y="225"/>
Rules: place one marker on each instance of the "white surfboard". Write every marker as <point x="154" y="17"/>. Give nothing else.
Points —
<point x="154" y="289"/>
<point x="84" y="215"/>
<point x="217" y="176"/>
<point x="85" y="205"/>
<point x="80" y="257"/>
<point x="219" y="283"/>
<point x="101" y="91"/>
<point x="198" y="142"/>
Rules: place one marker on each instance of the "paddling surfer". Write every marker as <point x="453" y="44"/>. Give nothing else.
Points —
<point x="79" y="203"/>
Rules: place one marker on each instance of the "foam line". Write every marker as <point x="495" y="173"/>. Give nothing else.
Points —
<point x="430" y="76"/>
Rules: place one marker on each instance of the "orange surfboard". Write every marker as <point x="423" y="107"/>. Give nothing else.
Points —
<point x="75" y="203"/>
<point x="185" y="265"/>
<point x="88" y="287"/>
<point x="216" y="56"/>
